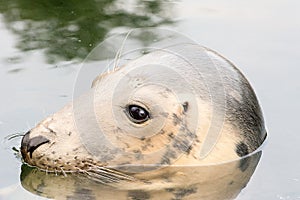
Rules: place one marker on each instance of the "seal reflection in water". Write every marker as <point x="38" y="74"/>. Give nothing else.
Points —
<point x="177" y="123"/>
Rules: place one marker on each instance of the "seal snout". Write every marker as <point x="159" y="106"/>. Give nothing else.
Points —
<point x="29" y="145"/>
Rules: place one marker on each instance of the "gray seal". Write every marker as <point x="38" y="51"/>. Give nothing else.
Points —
<point x="184" y="105"/>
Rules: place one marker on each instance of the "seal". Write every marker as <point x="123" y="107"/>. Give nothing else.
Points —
<point x="159" y="110"/>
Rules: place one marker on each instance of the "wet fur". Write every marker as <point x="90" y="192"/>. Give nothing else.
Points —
<point x="242" y="133"/>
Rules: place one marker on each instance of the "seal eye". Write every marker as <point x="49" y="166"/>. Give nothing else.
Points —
<point x="138" y="114"/>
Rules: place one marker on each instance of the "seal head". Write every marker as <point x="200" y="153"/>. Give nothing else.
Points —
<point x="158" y="110"/>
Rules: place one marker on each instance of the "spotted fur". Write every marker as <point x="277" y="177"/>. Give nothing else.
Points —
<point x="138" y="158"/>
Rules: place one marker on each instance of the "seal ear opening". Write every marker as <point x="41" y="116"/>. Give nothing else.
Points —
<point x="185" y="106"/>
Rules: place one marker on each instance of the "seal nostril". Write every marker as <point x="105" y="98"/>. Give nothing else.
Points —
<point x="29" y="145"/>
<point x="35" y="142"/>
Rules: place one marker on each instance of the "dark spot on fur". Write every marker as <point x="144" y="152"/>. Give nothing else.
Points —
<point x="148" y="140"/>
<point x="167" y="177"/>
<point x="82" y="193"/>
<point x="70" y="133"/>
<point x="180" y="193"/>
<point x="166" y="159"/>
<point x="183" y="145"/>
<point x="242" y="149"/>
<point x="75" y="149"/>
<point x="127" y="145"/>
<point x="138" y="195"/>
<point x="185" y="106"/>
<point x="187" y="132"/>
<point x="171" y="135"/>
<point x="231" y="182"/>
<point x="143" y="138"/>
<point x="176" y="119"/>
<point x="53" y="152"/>
<point x="244" y="163"/>
<point x="188" y="151"/>
<point x="146" y="146"/>
<point x="138" y="154"/>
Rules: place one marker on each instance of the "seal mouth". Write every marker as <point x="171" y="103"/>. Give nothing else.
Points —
<point x="29" y="145"/>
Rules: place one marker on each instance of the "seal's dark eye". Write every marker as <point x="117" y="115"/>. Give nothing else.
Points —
<point x="138" y="114"/>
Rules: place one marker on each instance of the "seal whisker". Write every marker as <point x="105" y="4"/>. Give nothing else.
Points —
<point x="63" y="172"/>
<point x="107" y="178"/>
<point x="94" y="178"/>
<point x="118" y="55"/>
<point x="116" y="173"/>
<point x="47" y="170"/>
<point x="14" y="135"/>
<point x="105" y="175"/>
